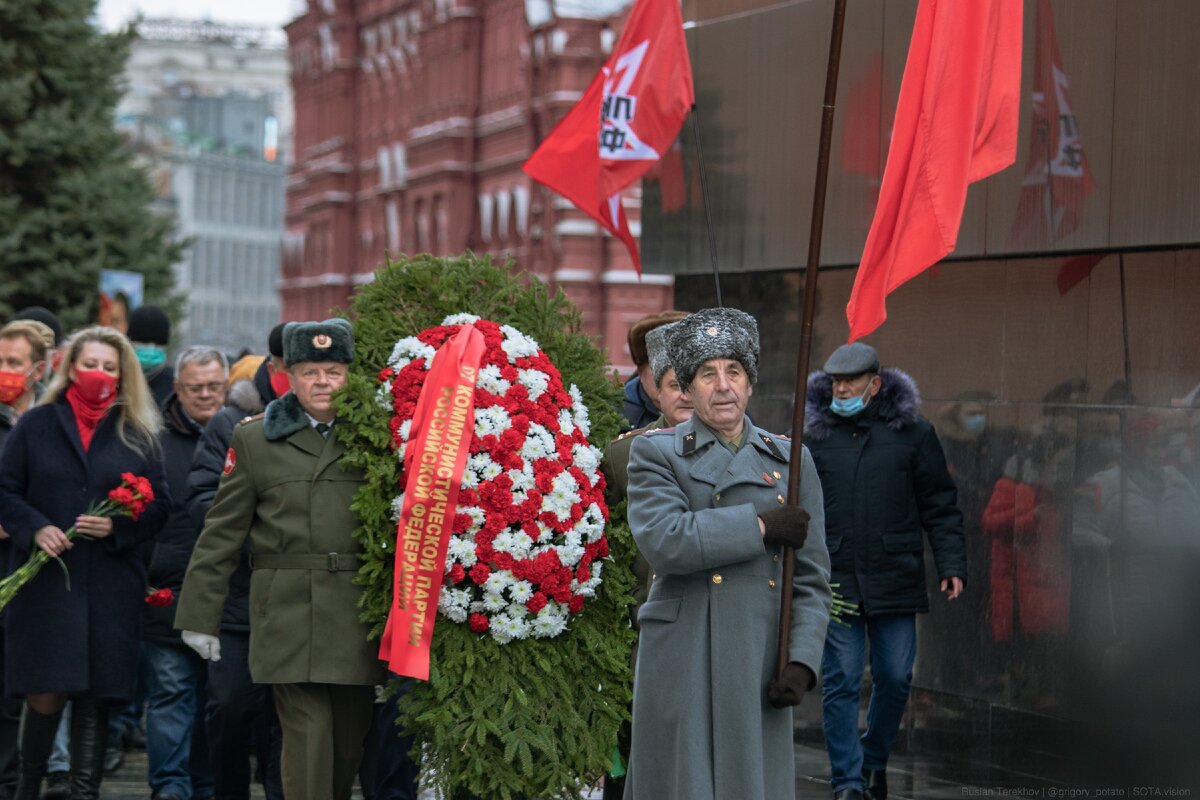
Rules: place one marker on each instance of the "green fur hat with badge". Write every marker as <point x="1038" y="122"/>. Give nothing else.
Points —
<point x="331" y="340"/>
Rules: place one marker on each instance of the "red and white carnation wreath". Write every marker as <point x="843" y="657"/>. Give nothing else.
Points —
<point x="528" y="535"/>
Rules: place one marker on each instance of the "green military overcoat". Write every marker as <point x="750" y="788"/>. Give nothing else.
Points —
<point x="286" y="491"/>
<point x="616" y="478"/>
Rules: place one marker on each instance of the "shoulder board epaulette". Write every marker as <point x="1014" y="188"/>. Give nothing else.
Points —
<point x="634" y="432"/>
<point x="660" y="430"/>
<point x="251" y="418"/>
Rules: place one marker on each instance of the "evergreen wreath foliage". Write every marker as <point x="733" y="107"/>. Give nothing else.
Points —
<point x="530" y="718"/>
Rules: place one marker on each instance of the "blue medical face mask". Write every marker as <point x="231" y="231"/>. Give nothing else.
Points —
<point x="149" y="355"/>
<point x="850" y="407"/>
<point x="974" y="423"/>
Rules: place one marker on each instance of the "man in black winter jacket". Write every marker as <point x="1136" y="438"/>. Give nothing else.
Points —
<point x="176" y="747"/>
<point x="885" y="482"/>
<point x="239" y="715"/>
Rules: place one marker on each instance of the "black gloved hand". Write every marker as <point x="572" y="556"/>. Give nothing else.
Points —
<point x="787" y="526"/>
<point x="789" y="689"/>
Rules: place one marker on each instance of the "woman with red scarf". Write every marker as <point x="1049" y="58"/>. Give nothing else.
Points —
<point x="96" y="421"/>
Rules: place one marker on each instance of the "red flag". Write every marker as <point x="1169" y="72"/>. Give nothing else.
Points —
<point x="956" y="123"/>
<point x="1057" y="178"/>
<point x="625" y="121"/>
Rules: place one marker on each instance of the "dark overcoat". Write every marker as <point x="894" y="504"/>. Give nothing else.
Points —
<point x="286" y="492"/>
<point x="173" y="545"/>
<point x="702" y="726"/>
<point x="886" y="483"/>
<point x="83" y="640"/>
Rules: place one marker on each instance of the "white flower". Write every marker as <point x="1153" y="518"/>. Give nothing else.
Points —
<point x="569" y="555"/>
<point x="522" y="479"/>
<point x="383" y="396"/>
<point x="493" y="601"/>
<point x="587" y="458"/>
<point x="516" y="344"/>
<point x="579" y="412"/>
<point x="460" y="319"/>
<point x="405" y="429"/>
<point x="504" y="628"/>
<point x="462" y="551"/>
<point x="517" y="610"/>
<point x="535" y="381"/>
<point x="550" y="621"/>
<point x="521" y="544"/>
<point x="520" y="591"/>
<point x="591" y="525"/>
<point x="453" y="603"/>
<point x="409" y="349"/>
<point x="539" y="443"/>
<point x="490" y="380"/>
<point x="492" y="420"/>
<point x="562" y="496"/>
<point x="477" y="517"/>
<point x="566" y="423"/>
<point x="498" y="582"/>
<point x="397" y="505"/>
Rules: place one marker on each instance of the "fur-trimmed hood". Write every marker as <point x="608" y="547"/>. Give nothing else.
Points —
<point x="898" y="402"/>
<point x="284" y="417"/>
<point x="246" y="396"/>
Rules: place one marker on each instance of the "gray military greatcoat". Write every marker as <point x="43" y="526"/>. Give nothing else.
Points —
<point x="702" y="726"/>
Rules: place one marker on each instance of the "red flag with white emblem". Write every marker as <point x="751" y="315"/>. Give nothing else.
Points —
<point x="1057" y="178"/>
<point x="628" y="117"/>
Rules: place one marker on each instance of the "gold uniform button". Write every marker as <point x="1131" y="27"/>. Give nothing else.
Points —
<point x="775" y="557"/>
<point x="771" y="582"/>
<point x="780" y="499"/>
<point x="717" y="496"/>
<point x="778" y="476"/>
<point x="717" y="579"/>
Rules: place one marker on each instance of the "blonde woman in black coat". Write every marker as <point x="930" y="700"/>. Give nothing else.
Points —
<point x="96" y="421"/>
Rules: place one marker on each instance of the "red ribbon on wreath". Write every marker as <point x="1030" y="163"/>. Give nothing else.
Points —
<point x="444" y="422"/>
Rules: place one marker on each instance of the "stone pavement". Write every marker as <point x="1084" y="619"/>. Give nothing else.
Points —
<point x="910" y="777"/>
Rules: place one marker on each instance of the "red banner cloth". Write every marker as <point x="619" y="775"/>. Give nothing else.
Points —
<point x="956" y="123"/>
<point x="434" y="459"/>
<point x="628" y="117"/>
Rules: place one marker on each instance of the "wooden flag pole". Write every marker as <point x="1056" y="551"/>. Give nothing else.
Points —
<point x="812" y="268"/>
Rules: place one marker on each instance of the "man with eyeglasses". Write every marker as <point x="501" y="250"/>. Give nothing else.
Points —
<point x="176" y="747"/>
<point x="285" y="490"/>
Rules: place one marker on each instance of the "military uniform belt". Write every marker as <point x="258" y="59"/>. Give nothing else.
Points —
<point x="332" y="562"/>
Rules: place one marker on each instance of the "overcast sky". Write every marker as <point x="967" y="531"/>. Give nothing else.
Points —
<point x="275" y="13"/>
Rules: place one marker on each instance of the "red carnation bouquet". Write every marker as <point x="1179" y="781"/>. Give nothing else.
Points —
<point x="127" y="500"/>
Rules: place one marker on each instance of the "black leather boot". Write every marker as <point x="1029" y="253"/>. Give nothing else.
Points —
<point x="876" y="784"/>
<point x="853" y="793"/>
<point x="89" y="732"/>
<point x="37" y="740"/>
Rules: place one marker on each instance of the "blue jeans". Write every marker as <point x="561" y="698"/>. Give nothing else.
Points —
<point x="60" y="756"/>
<point x="893" y="640"/>
<point x="176" y="744"/>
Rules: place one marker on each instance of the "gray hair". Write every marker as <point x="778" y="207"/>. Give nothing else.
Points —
<point x="201" y="354"/>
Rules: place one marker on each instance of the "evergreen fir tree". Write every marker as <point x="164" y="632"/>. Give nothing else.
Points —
<point x="72" y="201"/>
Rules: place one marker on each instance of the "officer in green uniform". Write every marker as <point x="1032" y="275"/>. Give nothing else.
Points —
<point x="284" y="489"/>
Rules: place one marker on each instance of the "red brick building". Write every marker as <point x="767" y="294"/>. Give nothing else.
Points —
<point x="413" y="118"/>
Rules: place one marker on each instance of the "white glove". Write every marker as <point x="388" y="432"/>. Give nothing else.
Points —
<point x="209" y="647"/>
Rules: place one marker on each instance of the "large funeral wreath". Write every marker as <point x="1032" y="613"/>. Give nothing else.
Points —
<point x="529" y="670"/>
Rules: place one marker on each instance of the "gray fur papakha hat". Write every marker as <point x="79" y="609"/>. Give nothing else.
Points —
<point x="658" y="351"/>
<point x="852" y="359"/>
<point x="331" y="340"/>
<point x="713" y="333"/>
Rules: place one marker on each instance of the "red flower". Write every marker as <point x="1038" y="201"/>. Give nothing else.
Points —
<point x="536" y="603"/>
<point x="576" y="604"/>
<point x="479" y="623"/>
<point x="480" y="573"/>
<point x="457" y="573"/>
<point x="160" y="598"/>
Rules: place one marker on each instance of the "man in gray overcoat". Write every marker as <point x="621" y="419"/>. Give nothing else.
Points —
<point x="708" y="510"/>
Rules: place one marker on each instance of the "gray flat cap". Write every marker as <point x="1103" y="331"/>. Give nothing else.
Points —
<point x="853" y="359"/>
<point x="713" y="333"/>
<point x="658" y="352"/>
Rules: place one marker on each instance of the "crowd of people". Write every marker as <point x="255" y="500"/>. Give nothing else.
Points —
<point x="114" y="649"/>
<point x="222" y="620"/>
